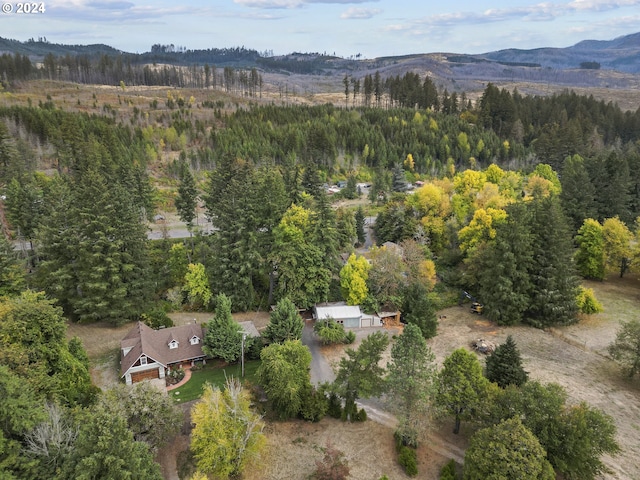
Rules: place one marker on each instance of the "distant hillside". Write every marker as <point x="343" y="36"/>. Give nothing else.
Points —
<point x="38" y="49"/>
<point x="589" y="64"/>
<point x="621" y="54"/>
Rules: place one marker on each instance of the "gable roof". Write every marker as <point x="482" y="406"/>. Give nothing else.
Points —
<point x="142" y="339"/>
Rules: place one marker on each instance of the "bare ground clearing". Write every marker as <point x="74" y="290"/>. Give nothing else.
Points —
<point x="573" y="356"/>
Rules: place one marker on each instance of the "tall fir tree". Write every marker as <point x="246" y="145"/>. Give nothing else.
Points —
<point x="230" y="204"/>
<point x="553" y="276"/>
<point x="360" y="225"/>
<point x="187" y="199"/>
<point x="224" y="335"/>
<point x="504" y="266"/>
<point x="95" y="250"/>
<point x="578" y="193"/>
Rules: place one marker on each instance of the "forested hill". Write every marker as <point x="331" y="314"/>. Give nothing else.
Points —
<point x="621" y="54"/>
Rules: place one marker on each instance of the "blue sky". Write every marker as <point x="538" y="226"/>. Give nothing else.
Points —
<point x="372" y="28"/>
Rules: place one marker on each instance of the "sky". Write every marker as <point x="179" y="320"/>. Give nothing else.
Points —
<point x="370" y="28"/>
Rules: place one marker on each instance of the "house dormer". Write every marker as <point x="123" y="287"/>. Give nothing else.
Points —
<point x="194" y="340"/>
<point x="173" y="344"/>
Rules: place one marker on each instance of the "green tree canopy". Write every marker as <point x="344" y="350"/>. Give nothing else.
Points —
<point x="285" y="323"/>
<point x="461" y="387"/>
<point x="410" y="383"/>
<point x="507" y="451"/>
<point x="359" y="373"/>
<point x="151" y="416"/>
<point x="284" y="375"/>
<point x="504" y="365"/>
<point x="419" y="310"/>
<point x="105" y="449"/>
<point x="590" y="258"/>
<point x="224" y="335"/>
<point x="32" y="334"/>
<point x="626" y="348"/>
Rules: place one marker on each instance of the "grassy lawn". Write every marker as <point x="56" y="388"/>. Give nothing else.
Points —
<point x="214" y="375"/>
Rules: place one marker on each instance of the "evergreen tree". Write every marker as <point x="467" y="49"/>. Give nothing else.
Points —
<point x="399" y="181"/>
<point x="360" y="226"/>
<point x="285" y="323"/>
<point x="578" y="193"/>
<point x="325" y="233"/>
<point x="418" y="310"/>
<point x="187" y="199"/>
<point x="223" y="338"/>
<point x="504" y="265"/>
<point x="95" y="250"/>
<point x="231" y="206"/>
<point x="12" y="271"/>
<point x="504" y="366"/>
<point x="302" y="274"/>
<point x="359" y="374"/>
<point x="554" y="283"/>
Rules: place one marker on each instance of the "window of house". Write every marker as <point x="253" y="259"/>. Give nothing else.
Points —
<point x="143" y="360"/>
<point x="173" y="344"/>
<point x="195" y="340"/>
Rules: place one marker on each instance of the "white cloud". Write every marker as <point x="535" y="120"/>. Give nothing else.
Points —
<point x="270" y="3"/>
<point x="360" y="13"/>
<point x="294" y="3"/>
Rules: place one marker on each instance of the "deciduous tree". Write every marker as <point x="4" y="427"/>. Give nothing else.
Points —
<point x="626" y="347"/>
<point x="353" y="279"/>
<point x="461" y="387"/>
<point x="507" y="450"/>
<point x="151" y="416"/>
<point x="227" y="435"/>
<point x="590" y="256"/>
<point x="285" y="376"/>
<point x="617" y="245"/>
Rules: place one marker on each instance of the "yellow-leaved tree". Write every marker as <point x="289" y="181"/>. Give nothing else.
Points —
<point x="353" y="279"/>
<point x="227" y="434"/>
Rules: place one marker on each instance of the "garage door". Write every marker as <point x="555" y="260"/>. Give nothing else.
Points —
<point x="365" y="322"/>
<point x="145" y="375"/>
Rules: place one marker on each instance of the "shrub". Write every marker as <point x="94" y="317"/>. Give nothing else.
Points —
<point x="349" y="337"/>
<point x="334" y="406"/>
<point x="253" y="346"/>
<point x="329" y="331"/>
<point x="448" y="472"/>
<point x="408" y="460"/>
<point x="587" y="302"/>
<point x="333" y="466"/>
<point x="155" y="318"/>
<point x="314" y="405"/>
<point x="361" y="416"/>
